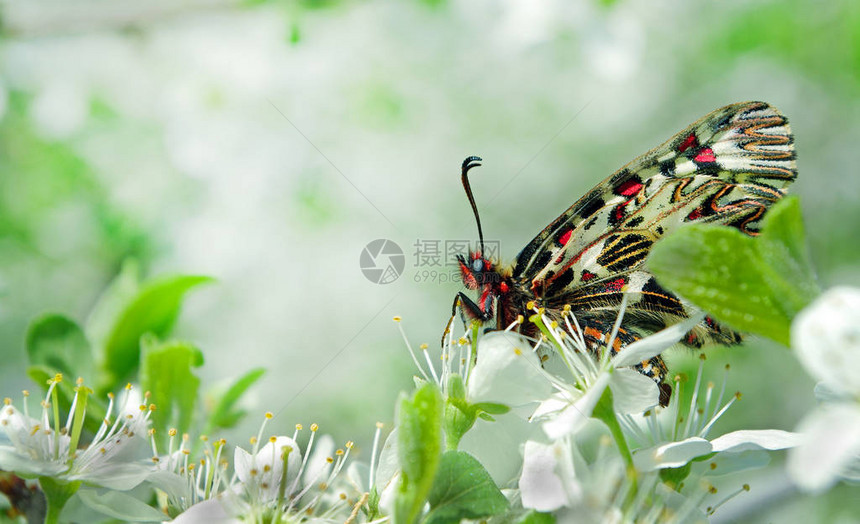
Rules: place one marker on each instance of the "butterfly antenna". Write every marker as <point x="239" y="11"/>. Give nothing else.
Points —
<point x="469" y="163"/>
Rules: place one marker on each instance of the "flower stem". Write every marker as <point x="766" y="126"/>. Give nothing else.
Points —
<point x="604" y="411"/>
<point x="57" y="493"/>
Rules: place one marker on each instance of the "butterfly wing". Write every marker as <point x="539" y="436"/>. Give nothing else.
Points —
<point x="726" y="168"/>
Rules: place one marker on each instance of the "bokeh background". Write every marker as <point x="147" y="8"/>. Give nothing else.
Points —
<point x="266" y="143"/>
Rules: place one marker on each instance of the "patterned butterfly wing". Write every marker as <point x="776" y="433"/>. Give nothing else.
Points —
<point x="726" y="168"/>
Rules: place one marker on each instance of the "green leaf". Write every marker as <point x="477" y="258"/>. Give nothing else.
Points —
<point x="419" y="449"/>
<point x="119" y="505"/>
<point x="463" y="490"/>
<point x="167" y="374"/>
<point x="57" y="342"/>
<point x="459" y="418"/>
<point x="456" y="387"/>
<point x="754" y="284"/>
<point x="119" y="293"/>
<point x="535" y="517"/>
<point x="492" y="408"/>
<point x="224" y="415"/>
<point x="783" y="247"/>
<point x="675" y="476"/>
<point x="153" y="310"/>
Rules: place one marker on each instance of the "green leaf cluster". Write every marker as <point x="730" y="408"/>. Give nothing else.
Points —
<point x="125" y="339"/>
<point x="454" y="483"/>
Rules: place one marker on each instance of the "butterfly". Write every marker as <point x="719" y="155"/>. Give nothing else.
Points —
<point x="727" y="168"/>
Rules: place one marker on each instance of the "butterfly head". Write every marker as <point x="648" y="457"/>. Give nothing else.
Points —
<point x="477" y="271"/>
<point x="482" y="274"/>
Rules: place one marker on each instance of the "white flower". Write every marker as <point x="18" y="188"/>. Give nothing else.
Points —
<point x="271" y="467"/>
<point x="557" y="478"/>
<point x="276" y="478"/>
<point x="381" y="476"/>
<point x="673" y="437"/>
<point x="587" y="377"/>
<point x="826" y="339"/>
<point x="507" y="373"/>
<point x="45" y="447"/>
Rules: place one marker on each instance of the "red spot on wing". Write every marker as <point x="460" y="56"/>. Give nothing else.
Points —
<point x="503" y="287"/>
<point x="706" y="155"/>
<point x="696" y="213"/>
<point x="618" y="213"/>
<point x="690" y="141"/>
<point x="629" y="188"/>
<point x="565" y="238"/>
<point x="587" y="275"/>
<point x="615" y="285"/>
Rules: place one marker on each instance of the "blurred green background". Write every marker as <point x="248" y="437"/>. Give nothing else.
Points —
<point x="266" y="143"/>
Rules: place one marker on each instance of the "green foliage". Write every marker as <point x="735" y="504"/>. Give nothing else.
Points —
<point x="166" y="372"/>
<point x="57" y="342"/>
<point x="675" y="476"/>
<point x="127" y="319"/>
<point x="119" y="292"/>
<point x="463" y="489"/>
<point x="454" y="483"/>
<point x="226" y="414"/>
<point x="754" y="284"/>
<point x="42" y="176"/>
<point x="154" y="310"/>
<point x="535" y="517"/>
<point x="460" y="416"/>
<point x="419" y="448"/>
<point x="772" y="29"/>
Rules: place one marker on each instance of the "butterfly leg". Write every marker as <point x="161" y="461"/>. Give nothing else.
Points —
<point x="469" y="311"/>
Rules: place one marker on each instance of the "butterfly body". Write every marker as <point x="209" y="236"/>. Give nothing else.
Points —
<point x="727" y="168"/>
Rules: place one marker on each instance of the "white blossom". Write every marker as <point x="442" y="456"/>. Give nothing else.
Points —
<point x="115" y="458"/>
<point x="826" y="339"/>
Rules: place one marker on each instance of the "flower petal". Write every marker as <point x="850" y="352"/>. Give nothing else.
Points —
<point x="749" y="439"/>
<point x="725" y="463"/>
<point x="318" y="466"/>
<point x="261" y="472"/>
<point x="826" y="339"/>
<point x="633" y="392"/>
<point x="507" y="372"/>
<point x="541" y="488"/>
<point x="574" y="416"/>
<point x="11" y="460"/>
<point x="211" y="511"/>
<point x="389" y="462"/>
<point x="653" y="345"/>
<point x="831" y="444"/>
<point x="118" y="476"/>
<point x="671" y="455"/>
<point x="507" y="432"/>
